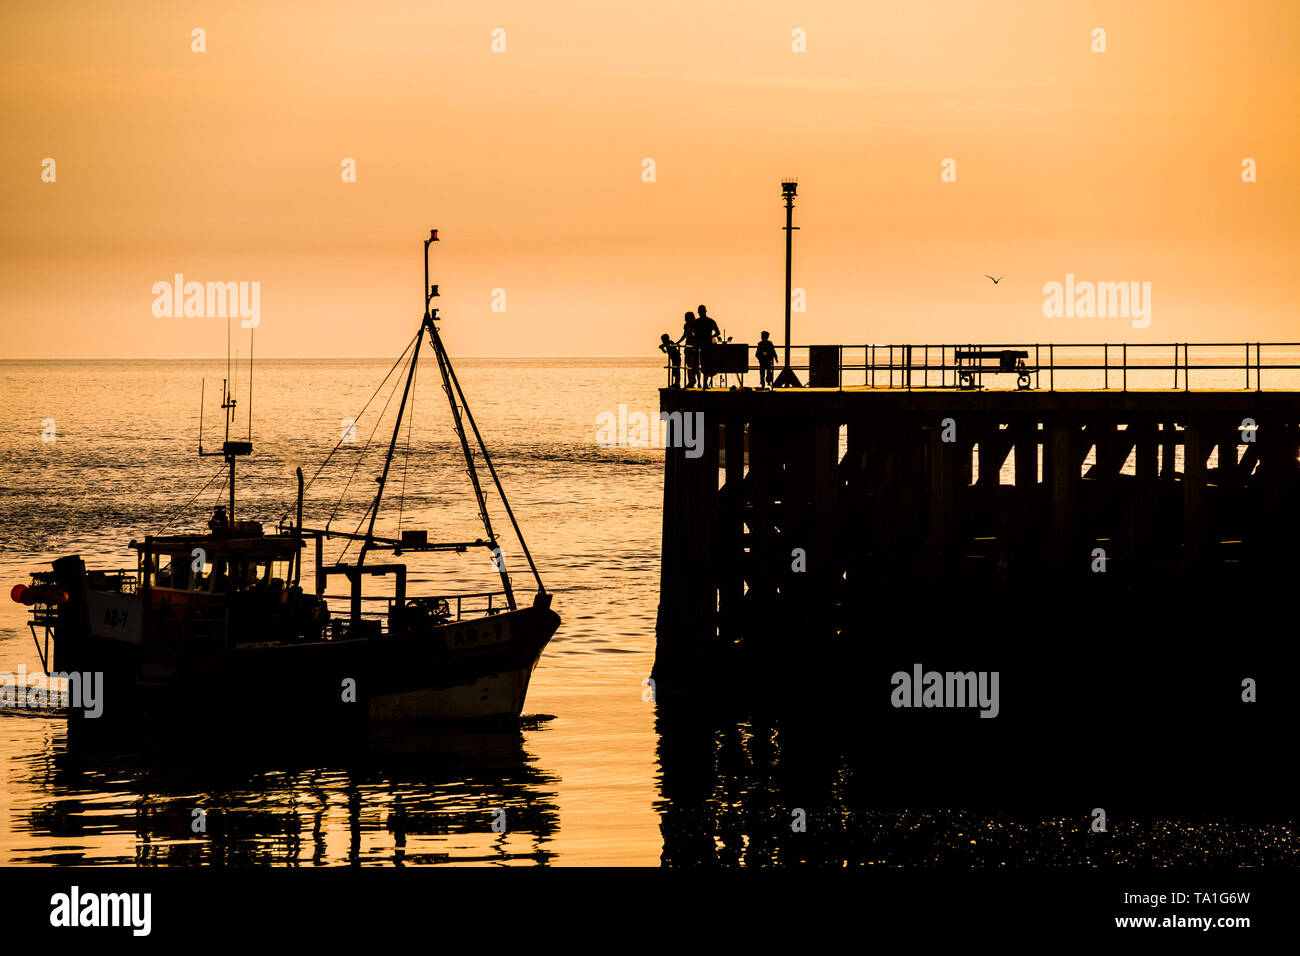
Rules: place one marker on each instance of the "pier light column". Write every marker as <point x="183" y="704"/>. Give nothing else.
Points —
<point x="787" y="378"/>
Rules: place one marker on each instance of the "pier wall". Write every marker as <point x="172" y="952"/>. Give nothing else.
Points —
<point x="1081" y="543"/>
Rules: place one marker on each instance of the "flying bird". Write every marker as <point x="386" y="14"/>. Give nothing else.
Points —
<point x="995" y="281"/>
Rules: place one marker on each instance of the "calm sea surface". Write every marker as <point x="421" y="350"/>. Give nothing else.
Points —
<point x="581" y="782"/>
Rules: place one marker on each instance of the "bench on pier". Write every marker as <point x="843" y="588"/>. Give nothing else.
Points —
<point x="725" y="358"/>
<point x="972" y="364"/>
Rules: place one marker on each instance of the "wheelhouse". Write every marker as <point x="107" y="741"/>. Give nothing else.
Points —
<point x="218" y="564"/>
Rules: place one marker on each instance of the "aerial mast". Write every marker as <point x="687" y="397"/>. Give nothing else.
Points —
<point x="230" y="450"/>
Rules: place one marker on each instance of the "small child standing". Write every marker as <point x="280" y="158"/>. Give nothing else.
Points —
<point x="765" y="352"/>
<point x="669" y="347"/>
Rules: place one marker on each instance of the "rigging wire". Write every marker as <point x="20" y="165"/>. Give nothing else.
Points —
<point x="339" y="443"/>
<point x="364" y="448"/>
<point x="379" y="418"/>
<point x="406" y="458"/>
<point x="179" y="511"/>
<point x="487" y="460"/>
<point x="221" y="492"/>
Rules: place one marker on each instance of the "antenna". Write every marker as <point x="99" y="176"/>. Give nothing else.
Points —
<point x="225" y="403"/>
<point x="230" y="450"/>
<point x="430" y="292"/>
<point x="234" y="390"/>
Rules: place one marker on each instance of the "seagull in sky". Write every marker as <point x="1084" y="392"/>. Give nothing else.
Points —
<point x="995" y="281"/>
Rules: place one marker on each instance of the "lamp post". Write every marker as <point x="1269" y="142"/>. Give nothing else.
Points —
<point x="787" y="378"/>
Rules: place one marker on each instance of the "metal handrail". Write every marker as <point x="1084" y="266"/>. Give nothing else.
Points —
<point x="460" y="600"/>
<point x="897" y="366"/>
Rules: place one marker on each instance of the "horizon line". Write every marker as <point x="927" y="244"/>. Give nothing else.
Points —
<point x="294" y="358"/>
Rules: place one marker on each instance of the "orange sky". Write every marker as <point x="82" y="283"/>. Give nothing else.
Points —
<point x="225" y="166"/>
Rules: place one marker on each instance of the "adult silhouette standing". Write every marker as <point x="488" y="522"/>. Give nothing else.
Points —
<point x="692" y="350"/>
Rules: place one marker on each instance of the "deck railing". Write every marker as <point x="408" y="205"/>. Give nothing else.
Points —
<point x="479" y="604"/>
<point x="377" y="621"/>
<point x="1176" y="366"/>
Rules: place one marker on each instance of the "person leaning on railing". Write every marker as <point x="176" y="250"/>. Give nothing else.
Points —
<point x="669" y="348"/>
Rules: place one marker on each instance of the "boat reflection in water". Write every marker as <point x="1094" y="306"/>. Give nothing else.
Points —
<point x="405" y="794"/>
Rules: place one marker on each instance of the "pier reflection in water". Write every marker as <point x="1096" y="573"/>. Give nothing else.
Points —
<point x="412" y="796"/>
<point x="731" y="784"/>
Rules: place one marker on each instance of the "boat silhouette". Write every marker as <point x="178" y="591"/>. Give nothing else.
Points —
<point x="208" y="621"/>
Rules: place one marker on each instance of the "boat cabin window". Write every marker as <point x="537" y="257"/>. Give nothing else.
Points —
<point x="175" y="571"/>
<point x="217" y="572"/>
<point x="172" y="572"/>
<point x="259" y="575"/>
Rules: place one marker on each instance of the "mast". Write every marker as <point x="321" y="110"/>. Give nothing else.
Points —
<point x="460" y="413"/>
<point x="444" y="367"/>
<point x="448" y="378"/>
<point x="450" y="381"/>
<point x="369" y="541"/>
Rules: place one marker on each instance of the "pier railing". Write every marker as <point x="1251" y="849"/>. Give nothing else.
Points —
<point x="1170" y="366"/>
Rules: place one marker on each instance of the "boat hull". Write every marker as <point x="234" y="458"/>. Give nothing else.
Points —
<point x="492" y="695"/>
<point x="468" y="669"/>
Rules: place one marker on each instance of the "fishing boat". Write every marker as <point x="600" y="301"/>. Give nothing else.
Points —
<point x="217" y="622"/>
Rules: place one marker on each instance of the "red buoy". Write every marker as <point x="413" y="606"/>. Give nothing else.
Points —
<point x="41" y="594"/>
